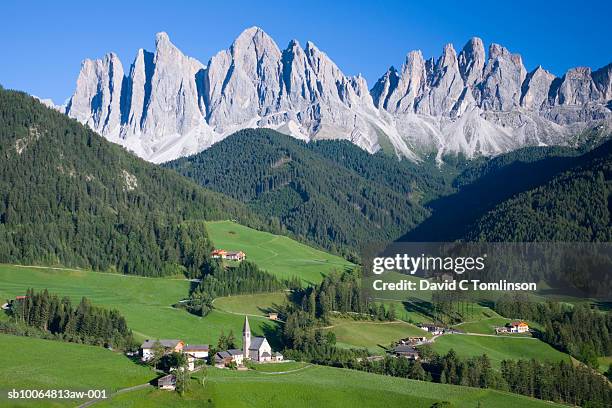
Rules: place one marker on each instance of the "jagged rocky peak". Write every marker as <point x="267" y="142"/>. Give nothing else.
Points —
<point x="243" y="82"/>
<point x="472" y="61"/>
<point x="603" y="81"/>
<point x="503" y="77"/>
<point x="577" y="87"/>
<point x="536" y="89"/>
<point x="446" y="87"/>
<point x="170" y="105"/>
<point x="384" y="87"/>
<point x="96" y="100"/>
<point x="412" y="83"/>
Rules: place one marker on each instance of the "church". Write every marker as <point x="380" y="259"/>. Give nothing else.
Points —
<point x="257" y="348"/>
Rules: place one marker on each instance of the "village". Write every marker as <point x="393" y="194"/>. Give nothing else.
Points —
<point x="255" y="349"/>
<point x="407" y="347"/>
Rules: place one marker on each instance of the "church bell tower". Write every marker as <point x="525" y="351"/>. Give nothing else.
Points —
<point x="246" y="337"/>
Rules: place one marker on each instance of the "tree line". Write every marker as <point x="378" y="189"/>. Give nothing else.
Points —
<point x="84" y="323"/>
<point x="218" y="280"/>
<point x="340" y="292"/>
<point x="582" y="332"/>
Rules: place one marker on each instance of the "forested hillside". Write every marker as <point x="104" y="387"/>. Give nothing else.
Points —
<point x="69" y="197"/>
<point x="573" y="207"/>
<point x="483" y="184"/>
<point x="330" y="193"/>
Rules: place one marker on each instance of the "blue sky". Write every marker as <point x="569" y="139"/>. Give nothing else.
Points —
<point x="43" y="43"/>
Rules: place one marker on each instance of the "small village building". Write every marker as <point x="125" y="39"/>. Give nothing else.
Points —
<point x="195" y="353"/>
<point x="222" y="359"/>
<point x="229" y="255"/>
<point x="235" y="256"/>
<point x="147" y="348"/>
<point x="273" y="316"/>
<point x="403" y="350"/>
<point x="414" y="340"/>
<point x="519" y="327"/>
<point x="433" y="329"/>
<point x="225" y="358"/>
<point x="219" y="254"/>
<point x="197" y="350"/>
<point x="167" y="382"/>
<point x="502" y="330"/>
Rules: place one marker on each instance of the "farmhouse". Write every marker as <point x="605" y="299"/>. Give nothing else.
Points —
<point x="147" y="348"/>
<point x="273" y="316"/>
<point x="415" y="341"/>
<point x="519" y="327"/>
<point x="167" y="382"/>
<point x="225" y="358"/>
<point x="433" y="329"/>
<point x="403" y="350"/>
<point x="219" y="254"/>
<point x="236" y="256"/>
<point x="195" y="352"/>
<point x="230" y="255"/>
<point x="514" y="327"/>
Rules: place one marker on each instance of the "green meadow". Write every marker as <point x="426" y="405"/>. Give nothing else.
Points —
<point x="30" y="363"/>
<point x="374" y="336"/>
<point x="498" y="348"/>
<point x="488" y="325"/>
<point x="259" y="304"/>
<point x="146" y="303"/>
<point x="317" y="386"/>
<point x="276" y="254"/>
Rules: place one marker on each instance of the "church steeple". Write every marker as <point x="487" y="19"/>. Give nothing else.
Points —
<point x="246" y="337"/>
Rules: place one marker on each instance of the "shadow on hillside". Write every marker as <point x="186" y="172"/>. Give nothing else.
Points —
<point x="452" y="215"/>
<point x="273" y="332"/>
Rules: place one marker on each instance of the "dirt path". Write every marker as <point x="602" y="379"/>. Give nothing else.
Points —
<point x="285" y="372"/>
<point x="243" y="314"/>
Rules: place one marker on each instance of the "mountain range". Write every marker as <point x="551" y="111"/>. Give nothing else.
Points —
<point x="476" y="103"/>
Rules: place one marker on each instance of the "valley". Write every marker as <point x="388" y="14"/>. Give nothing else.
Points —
<point x="81" y="217"/>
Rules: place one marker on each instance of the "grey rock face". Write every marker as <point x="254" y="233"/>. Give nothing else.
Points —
<point x="170" y="105"/>
<point x="536" y="88"/>
<point x="96" y="101"/>
<point x="577" y="88"/>
<point x="472" y="61"/>
<point x="502" y="79"/>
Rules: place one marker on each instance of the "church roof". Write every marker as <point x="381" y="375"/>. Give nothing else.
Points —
<point x="256" y="343"/>
<point x="265" y="354"/>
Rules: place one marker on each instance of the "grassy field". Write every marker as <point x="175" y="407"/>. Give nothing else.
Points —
<point x="498" y="348"/>
<point x="318" y="386"/>
<point x="29" y="363"/>
<point x="604" y="363"/>
<point x="259" y="304"/>
<point x="280" y="367"/>
<point x="372" y="335"/>
<point x="146" y="303"/>
<point x="276" y="254"/>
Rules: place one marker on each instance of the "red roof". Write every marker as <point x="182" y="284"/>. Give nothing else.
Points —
<point x="514" y="324"/>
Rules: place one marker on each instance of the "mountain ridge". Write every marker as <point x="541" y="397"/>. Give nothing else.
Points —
<point x="169" y="105"/>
